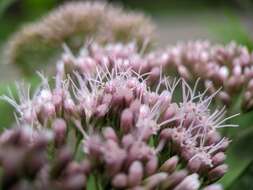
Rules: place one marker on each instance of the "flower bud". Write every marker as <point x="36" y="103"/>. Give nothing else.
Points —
<point x="218" y="158"/>
<point x="155" y="180"/>
<point x="77" y="181"/>
<point x="119" y="180"/>
<point x="194" y="165"/>
<point x="135" y="174"/>
<point x="217" y="172"/>
<point x="191" y="182"/>
<point x="109" y="133"/>
<point x="213" y="187"/>
<point x="174" y="179"/>
<point x="127" y="140"/>
<point x="60" y="128"/>
<point x="126" y="120"/>
<point x="154" y="75"/>
<point x="170" y="165"/>
<point x="151" y="166"/>
<point x="101" y="110"/>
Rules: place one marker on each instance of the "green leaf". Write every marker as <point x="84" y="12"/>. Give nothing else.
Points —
<point x="239" y="156"/>
<point x="4" y="4"/>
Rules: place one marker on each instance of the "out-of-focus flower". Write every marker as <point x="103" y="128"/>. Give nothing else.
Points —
<point x="76" y="21"/>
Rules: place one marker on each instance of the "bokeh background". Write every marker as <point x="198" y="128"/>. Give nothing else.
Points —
<point x="219" y="21"/>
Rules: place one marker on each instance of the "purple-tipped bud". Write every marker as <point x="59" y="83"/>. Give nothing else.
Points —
<point x="218" y="172"/>
<point x="127" y="140"/>
<point x="77" y="181"/>
<point x="151" y="166"/>
<point x="184" y="72"/>
<point x="174" y="179"/>
<point x="189" y="183"/>
<point x="58" y="97"/>
<point x="60" y="128"/>
<point x="135" y="174"/>
<point x="107" y="99"/>
<point x="101" y="110"/>
<point x="212" y="138"/>
<point x="170" y="165"/>
<point x="69" y="106"/>
<point x="169" y="112"/>
<point x="109" y="133"/>
<point x="213" y="187"/>
<point x="218" y="158"/>
<point x="119" y="180"/>
<point x="154" y="75"/>
<point x="155" y="180"/>
<point x="194" y="165"/>
<point x="135" y="106"/>
<point x="166" y="134"/>
<point x="126" y="120"/>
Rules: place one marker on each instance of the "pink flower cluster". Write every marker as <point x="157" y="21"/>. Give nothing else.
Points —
<point x="136" y="131"/>
<point x="229" y="67"/>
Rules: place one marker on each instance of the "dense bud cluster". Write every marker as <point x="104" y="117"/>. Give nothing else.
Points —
<point x="126" y="122"/>
<point x="25" y="163"/>
<point x="229" y="67"/>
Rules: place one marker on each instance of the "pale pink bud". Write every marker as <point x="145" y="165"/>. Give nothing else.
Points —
<point x="109" y="133"/>
<point x="48" y="110"/>
<point x="151" y="166"/>
<point x="223" y="73"/>
<point x="212" y="138"/>
<point x="154" y="75"/>
<point x="135" y="174"/>
<point x="237" y="70"/>
<point x="127" y="140"/>
<point x="194" y="165"/>
<point x="60" y="128"/>
<point x="107" y="98"/>
<point x="101" y="110"/>
<point x="174" y="179"/>
<point x="69" y="105"/>
<point x="119" y="180"/>
<point x="169" y="112"/>
<point x="182" y="70"/>
<point x="126" y="120"/>
<point x="191" y="182"/>
<point x="217" y="172"/>
<point x="218" y="158"/>
<point x="155" y="180"/>
<point x="135" y="106"/>
<point x="224" y="97"/>
<point x="213" y="187"/>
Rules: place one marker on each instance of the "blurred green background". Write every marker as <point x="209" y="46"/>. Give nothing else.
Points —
<point x="177" y="20"/>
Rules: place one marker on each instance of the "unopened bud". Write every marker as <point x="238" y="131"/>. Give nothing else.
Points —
<point x="218" y="158"/>
<point x="170" y="165"/>
<point x="126" y="120"/>
<point x="213" y="187"/>
<point x="119" y="180"/>
<point x="60" y="128"/>
<point x="155" y="180"/>
<point x="217" y="172"/>
<point x="151" y="166"/>
<point x="194" y="165"/>
<point x="109" y="133"/>
<point x="174" y="179"/>
<point x="135" y="174"/>
<point x="191" y="182"/>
